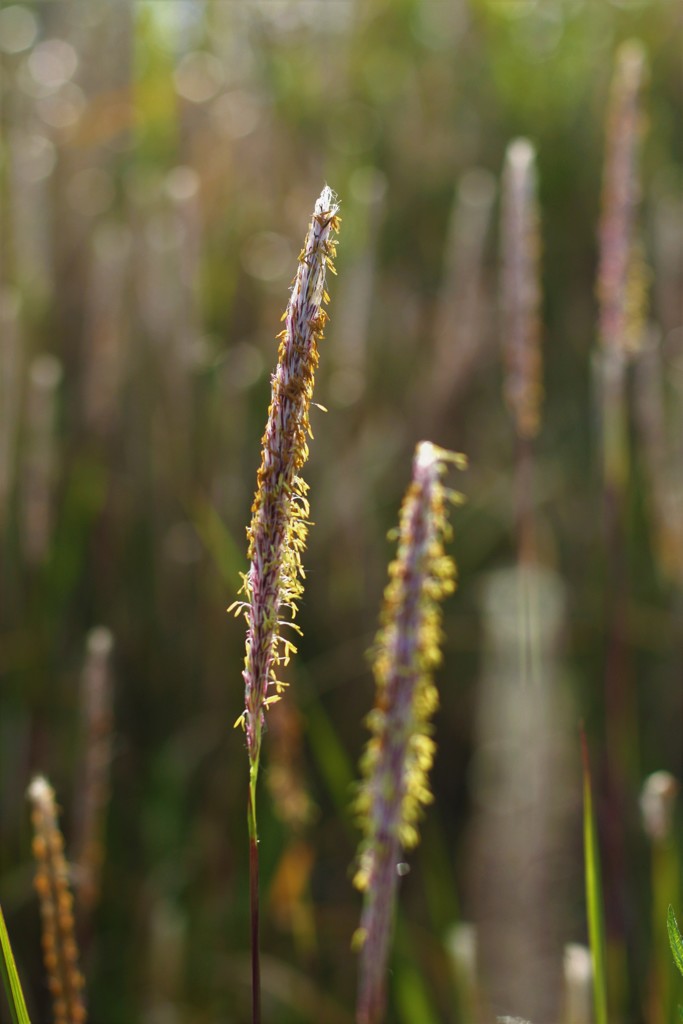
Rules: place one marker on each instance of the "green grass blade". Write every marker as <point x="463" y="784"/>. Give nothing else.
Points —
<point x="10" y="978"/>
<point x="411" y="993"/>
<point x="594" y="905"/>
<point x="675" y="938"/>
<point x="227" y="556"/>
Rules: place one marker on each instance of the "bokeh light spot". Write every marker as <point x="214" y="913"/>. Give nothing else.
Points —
<point x="267" y="256"/>
<point x="198" y="77"/>
<point x="34" y="156"/>
<point x="237" y="113"/>
<point x="18" y="29"/>
<point x="53" y="63"/>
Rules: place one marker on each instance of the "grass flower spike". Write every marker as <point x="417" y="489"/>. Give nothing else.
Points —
<point x="400" y="752"/>
<point x="279" y="524"/>
<point x="621" y="286"/>
<point x="620" y="283"/>
<point x="60" y="953"/>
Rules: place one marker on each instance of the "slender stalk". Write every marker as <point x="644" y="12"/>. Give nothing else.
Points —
<point x="93" y="791"/>
<point x="279" y="524"/>
<point x="521" y="328"/>
<point x="594" y="900"/>
<point x="657" y="806"/>
<point x="254" y="899"/>
<point x="621" y="295"/>
<point x="525" y="505"/>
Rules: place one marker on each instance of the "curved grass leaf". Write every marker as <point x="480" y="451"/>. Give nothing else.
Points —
<point x="675" y="938"/>
<point x="10" y="978"/>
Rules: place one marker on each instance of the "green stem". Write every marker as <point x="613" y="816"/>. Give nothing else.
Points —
<point x="664" y="892"/>
<point x="594" y="901"/>
<point x="254" y="893"/>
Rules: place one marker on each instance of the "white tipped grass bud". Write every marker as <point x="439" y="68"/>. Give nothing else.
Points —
<point x="96" y="711"/>
<point x="578" y="984"/>
<point x="11" y="360"/>
<point x="521" y="287"/>
<point x="461" y="943"/>
<point x="461" y="947"/>
<point x="105" y="328"/>
<point x="657" y="805"/>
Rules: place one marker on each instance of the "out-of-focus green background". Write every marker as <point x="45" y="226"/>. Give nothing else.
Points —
<point x="159" y="163"/>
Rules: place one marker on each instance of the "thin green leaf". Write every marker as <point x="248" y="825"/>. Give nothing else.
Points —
<point x="675" y="938"/>
<point x="10" y="978"/>
<point x="411" y="992"/>
<point x="226" y="555"/>
<point x="594" y="904"/>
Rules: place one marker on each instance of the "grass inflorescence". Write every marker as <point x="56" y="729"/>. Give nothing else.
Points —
<point x="400" y="752"/>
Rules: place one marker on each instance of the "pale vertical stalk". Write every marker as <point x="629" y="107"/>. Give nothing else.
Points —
<point x="11" y="360"/>
<point x="166" y="953"/>
<point x="358" y="291"/>
<point x="277" y="534"/>
<point x="60" y="952"/>
<point x="167" y="249"/>
<point x="45" y="374"/>
<point x="400" y="752"/>
<point x="32" y="156"/>
<point x="657" y="805"/>
<point x="578" y="984"/>
<point x="520" y="792"/>
<point x="104" y="328"/>
<point x="96" y="710"/>
<point x="461" y="945"/>
<point x="662" y="467"/>
<point x="182" y="189"/>
<point x="460" y="325"/>
<point x="667" y="245"/>
<point x="620" y="290"/>
<point x="521" y="330"/>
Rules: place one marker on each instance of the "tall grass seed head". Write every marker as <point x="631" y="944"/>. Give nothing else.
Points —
<point x="406" y="652"/>
<point x="622" y="276"/>
<point x="60" y="952"/>
<point x="280" y="511"/>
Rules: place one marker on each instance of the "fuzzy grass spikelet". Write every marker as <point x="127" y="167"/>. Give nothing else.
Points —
<point x="621" y="284"/>
<point x="60" y="952"/>
<point x="400" y="751"/>
<point x="279" y="524"/>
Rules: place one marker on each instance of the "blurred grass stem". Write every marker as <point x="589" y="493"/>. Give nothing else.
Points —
<point x="620" y="290"/>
